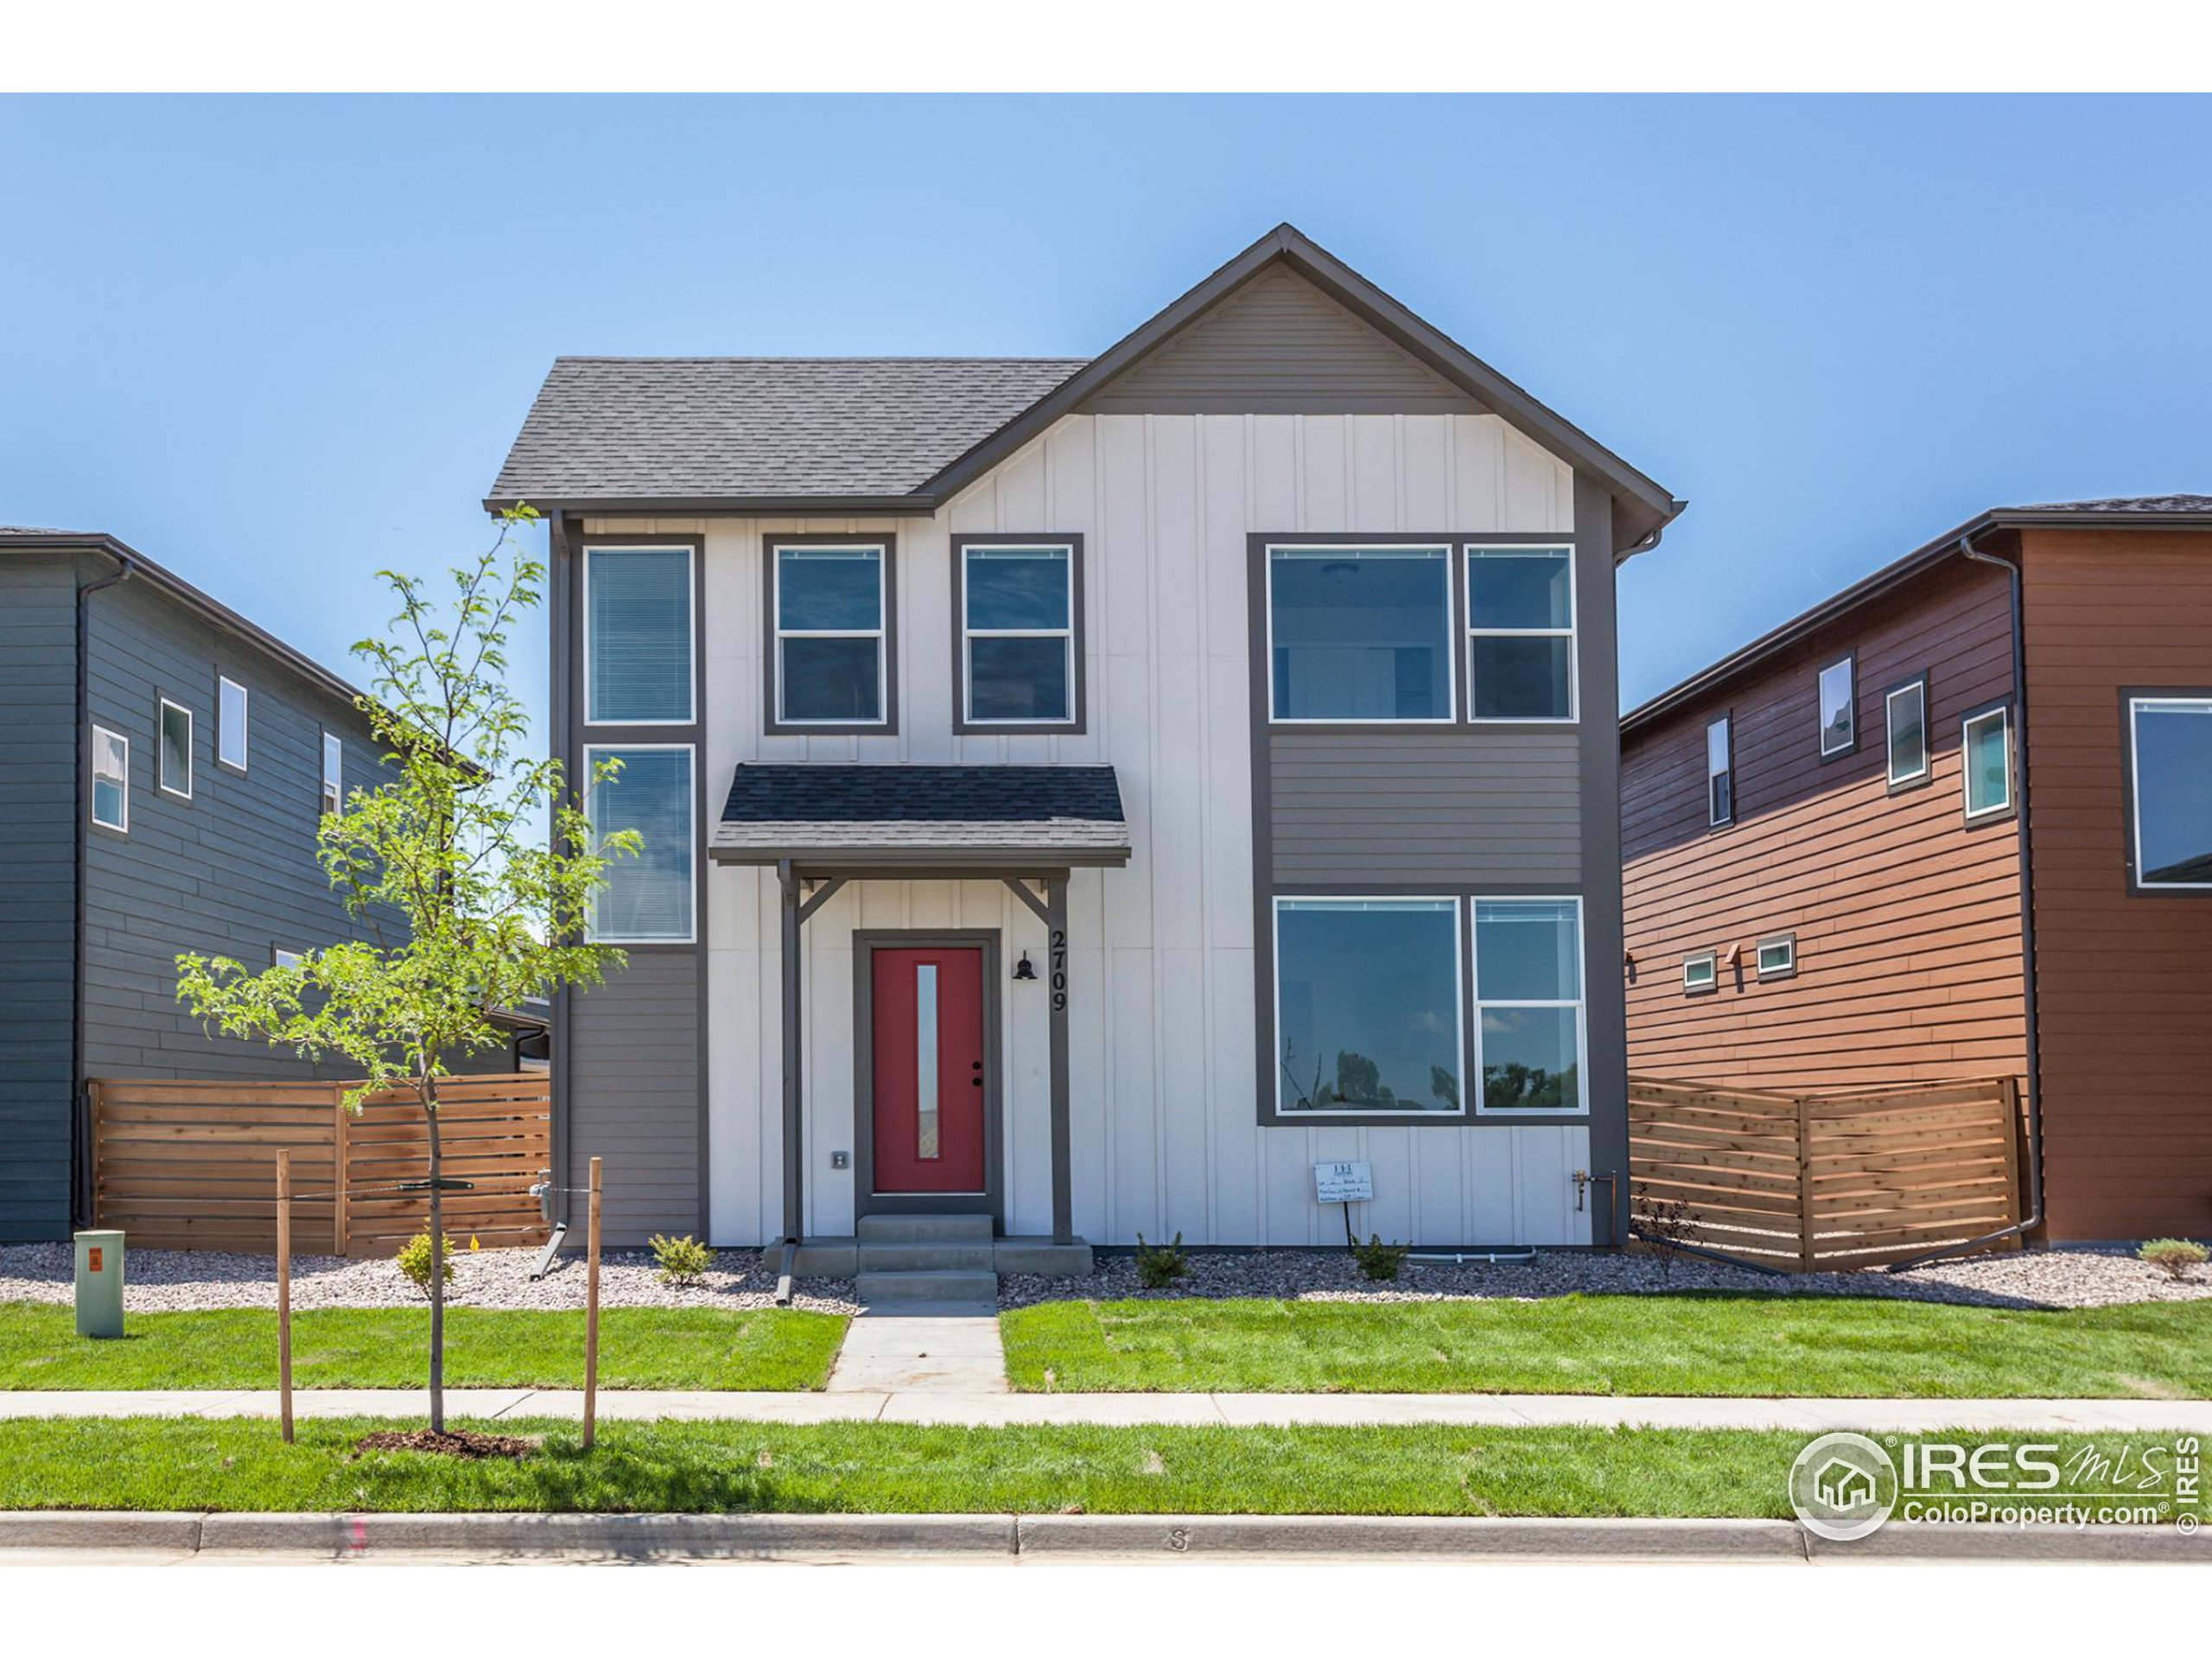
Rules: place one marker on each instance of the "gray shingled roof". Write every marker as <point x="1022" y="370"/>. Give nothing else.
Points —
<point x="1068" y="813"/>
<point x="628" y="428"/>
<point x="2123" y="504"/>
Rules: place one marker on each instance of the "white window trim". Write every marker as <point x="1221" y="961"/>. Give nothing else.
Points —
<point x="1571" y="633"/>
<point x="691" y="631"/>
<point x="245" y="724"/>
<point x="1712" y="822"/>
<point x="1897" y="780"/>
<point x="277" y="955"/>
<point x="1849" y="664"/>
<point x="1711" y="960"/>
<point x="879" y="633"/>
<point x="2003" y="716"/>
<point x="92" y="779"/>
<point x="2135" y="706"/>
<point x="1580" y="1005"/>
<point x="1372" y="545"/>
<point x="1297" y="1115"/>
<point x="160" y="746"/>
<point x="1065" y="635"/>
<point x="1787" y="970"/>
<point x="329" y="786"/>
<point x="592" y="751"/>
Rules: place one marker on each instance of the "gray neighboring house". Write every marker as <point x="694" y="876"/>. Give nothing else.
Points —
<point x="1082" y="796"/>
<point x="169" y="762"/>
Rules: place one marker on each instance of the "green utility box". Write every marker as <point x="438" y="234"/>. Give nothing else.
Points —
<point x="99" y="1284"/>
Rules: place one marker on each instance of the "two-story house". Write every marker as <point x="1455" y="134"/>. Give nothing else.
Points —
<point x="1082" y="796"/>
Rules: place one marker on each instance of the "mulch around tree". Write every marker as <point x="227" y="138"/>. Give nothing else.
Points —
<point x="451" y="1443"/>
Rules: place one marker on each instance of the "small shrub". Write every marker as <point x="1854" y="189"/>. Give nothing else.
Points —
<point x="1379" y="1260"/>
<point x="1665" y="1224"/>
<point x="681" y="1260"/>
<point x="1159" y="1265"/>
<point x="414" y="1260"/>
<point x="2178" y="1257"/>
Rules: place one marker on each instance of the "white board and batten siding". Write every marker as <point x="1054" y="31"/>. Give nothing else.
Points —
<point x="1162" y="1034"/>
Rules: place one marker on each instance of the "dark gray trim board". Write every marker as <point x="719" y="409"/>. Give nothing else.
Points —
<point x="1079" y="665"/>
<point x="866" y="1200"/>
<point x="772" y="724"/>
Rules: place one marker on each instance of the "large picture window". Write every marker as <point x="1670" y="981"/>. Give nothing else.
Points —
<point x="637" y="636"/>
<point x="830" y="608"/>
<point x="1529" y="1035"/>
<point x="1018" y="653"/>
<point x="647" y="899"/>
<point x="1367" y="1005"/>
<point x="1521" y="632"/>
<point x="2170" y="774"/>
<point x="1360" y="633"/>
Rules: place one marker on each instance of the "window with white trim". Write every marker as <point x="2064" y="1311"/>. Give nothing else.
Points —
<point x="230" y="723"/>
<point x="1360" y="631"/>
<point x="1367" y="1005"/>
<point x="1904" y="719"/>
<point x="830" y="607"/>
<point x="637" y="636"/>
<point x="1019" y="656"/>
<point x="1701" y="972"/>
<point x="280" y="958"/>
<point x="333" y="771"/>
<point x="173" y="753"/>
<point x="1719" y="772"/>
<point x="648" y="899"/>
<point x="110" y="802"/>
<point x="2170" y="805"/>
<point x="1839" y="714"/>
<point x="1529" y="1013"/>
<point x="1777" y="957"/>
<point x="1986" y="763"/>
<point x="1520" y="632"/>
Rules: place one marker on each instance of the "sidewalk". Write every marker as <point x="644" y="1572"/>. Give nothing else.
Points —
<point x="988" y="1410"/>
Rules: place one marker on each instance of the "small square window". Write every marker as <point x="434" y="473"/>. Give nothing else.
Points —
<point x="174" y="755"/>
<point x="1778" y="957"/>
<point x="1701" y="973"/>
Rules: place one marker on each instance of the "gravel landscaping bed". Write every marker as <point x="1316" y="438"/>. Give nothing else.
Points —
<point x="166" y="1281"/>
<point x="2068" y="1278"/>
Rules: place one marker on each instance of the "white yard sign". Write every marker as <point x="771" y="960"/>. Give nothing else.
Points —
<point x="1343" y="1183"/>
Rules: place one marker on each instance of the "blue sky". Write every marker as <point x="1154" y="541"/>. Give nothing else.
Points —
<point x="276" y="343"/>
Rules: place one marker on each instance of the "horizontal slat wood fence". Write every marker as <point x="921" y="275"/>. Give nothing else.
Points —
<point x="185" y="1165"/>
<point x="1817" y="1183"/>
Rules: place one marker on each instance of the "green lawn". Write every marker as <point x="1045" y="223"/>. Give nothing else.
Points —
<point x="381" y="1348"/>
<point x="709" y="1467"/>
<point x="1689" y="1345"/>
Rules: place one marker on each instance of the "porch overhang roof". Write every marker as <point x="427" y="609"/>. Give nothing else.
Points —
<point x="923" y="820"/>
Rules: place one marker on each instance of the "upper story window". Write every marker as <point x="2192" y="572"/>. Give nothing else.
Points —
<point x="1360" y="633"/>
<point x="111" y="781"/>
<point x="1367" y="1005"/>
<point x="1777" y="957"/>
<point x="333" y="771"/>
<point x="2170" y="790"/>
<point x="1839" y="719"/>
<point x="1701" y="972"/>
<point x="1019" y="611"/>
<point x="1529" y="1026"/>
<point x="637" y="636"/>
<point x="173" y="758"/>
<point x="1521" y="632"/>
<point x="1719" y="772"/>
<point x="1905" y="714"/>
<point x="1986" y="763"/>
<point x="230" y="724"/>
<point x="646" y="899"/>
<point x="829" y="611"/>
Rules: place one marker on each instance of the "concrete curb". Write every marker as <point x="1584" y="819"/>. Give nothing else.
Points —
<point x="769" y="1537"/>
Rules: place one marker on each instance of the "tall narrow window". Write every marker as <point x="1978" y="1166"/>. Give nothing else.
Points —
<point x="1360" y="633"/>
<point x="230" y="724"/>
<point x="172" y="759"/>
<point x="1839" y="721"/>
<point x="111" y="781"/>
<point x="1019" y="654"/>
<point x="1719" y="772"/>
<point x="1905" y="716"/>
<point x="333" y="771"/>
<point x="1367" y="1005"/>
<point x="925" y="1078"/>
<point x="1986" y="750"/>
<point x="647" y="899"/>
<point x="1529" y="1004"/>
<point x="637" y="636"/>
<point x="1521" y="632"/>
<point x="830" y="609"/>
<point x="2170" y="776"/>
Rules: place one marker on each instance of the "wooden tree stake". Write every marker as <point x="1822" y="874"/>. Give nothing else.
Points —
<point x="284" y="1291"/>
<point x="591" y="1313"/>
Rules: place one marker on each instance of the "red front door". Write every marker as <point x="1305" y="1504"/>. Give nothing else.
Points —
<point x="929" y="1118"/>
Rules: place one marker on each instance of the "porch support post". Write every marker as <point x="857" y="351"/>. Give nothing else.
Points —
<point x="1056" y="980"/>
<point x="793" y="1194"/>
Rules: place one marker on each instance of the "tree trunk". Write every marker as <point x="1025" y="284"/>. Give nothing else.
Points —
<point x="437" y="1269"/>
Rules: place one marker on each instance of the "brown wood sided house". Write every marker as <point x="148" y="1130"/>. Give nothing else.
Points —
<point x="1827" y="837"/>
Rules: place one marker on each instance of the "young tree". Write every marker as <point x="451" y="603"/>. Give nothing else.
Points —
<point x="466" y="910"/>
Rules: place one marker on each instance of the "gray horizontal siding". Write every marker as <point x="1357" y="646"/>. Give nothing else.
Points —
<point x="636" y="1097"/>
<point x="1456" y="809"/>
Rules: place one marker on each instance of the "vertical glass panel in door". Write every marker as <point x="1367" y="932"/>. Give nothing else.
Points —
<point x="925" y="1077"/>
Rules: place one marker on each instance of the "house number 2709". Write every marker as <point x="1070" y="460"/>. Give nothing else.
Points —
<point x="1059" y="970"/>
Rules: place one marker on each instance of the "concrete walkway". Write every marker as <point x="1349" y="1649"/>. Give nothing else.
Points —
<point x="933" y="1348"/>
<point x="980" y="1407"/>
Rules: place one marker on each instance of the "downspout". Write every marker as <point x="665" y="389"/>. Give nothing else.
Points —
<point x="2033" y="1218"/>
<point x="81" y="1150"/>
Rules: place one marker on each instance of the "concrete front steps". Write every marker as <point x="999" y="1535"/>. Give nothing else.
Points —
<point x="898" y="1259"/>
